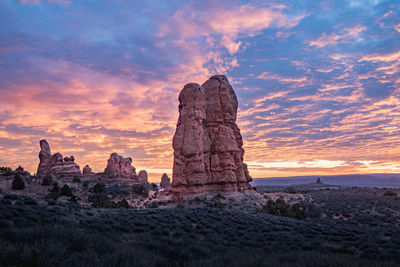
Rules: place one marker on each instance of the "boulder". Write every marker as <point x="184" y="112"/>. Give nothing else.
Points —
<point x="120" y="168"/>
<point x="54" y="164"/>
<point x="165" y="181"/>
<point x="208" y="153"/>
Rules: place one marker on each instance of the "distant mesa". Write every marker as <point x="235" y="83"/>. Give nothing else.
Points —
<point x="55" y="164"/>
<point x="165" y="181"/>
<point x="208" y="153"/>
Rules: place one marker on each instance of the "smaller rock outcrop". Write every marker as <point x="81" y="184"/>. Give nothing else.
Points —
<point x="87" y="171"/>
<point x="54" y="164"/>
<point x="165" y="181"/>
<point x="120" y="168"/>
<point x="21" y="171"/>
<point x="142" y="177"/>
<point x="318" y="181"/>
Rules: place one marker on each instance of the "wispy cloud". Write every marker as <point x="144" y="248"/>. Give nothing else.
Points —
<point x="343" y="36"/>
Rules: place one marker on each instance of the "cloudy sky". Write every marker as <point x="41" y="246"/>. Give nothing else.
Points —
<point x="318" y="82"/>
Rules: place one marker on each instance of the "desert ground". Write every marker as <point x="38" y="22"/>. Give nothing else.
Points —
<point x="336" y="226"/>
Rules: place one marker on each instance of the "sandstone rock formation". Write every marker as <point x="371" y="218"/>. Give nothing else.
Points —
<point x="120" y="168"/>
<point x="208" y="153"/>
<point x="54" y="164"/>
<point x="165" y="181"/>
<point x="20" y="170"/>
<point x="87" y="171"/>
<point x="142" y="177"/>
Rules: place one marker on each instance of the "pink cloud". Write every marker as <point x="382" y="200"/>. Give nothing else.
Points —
<point x="335" y="38"/>
<point x="229" y="22"/>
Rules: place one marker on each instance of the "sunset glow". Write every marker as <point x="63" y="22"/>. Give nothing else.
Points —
<point x="318" y="83"/>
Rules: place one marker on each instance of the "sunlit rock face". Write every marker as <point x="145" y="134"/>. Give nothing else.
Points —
<point x="208" y="153"/>
<point x="165" y="181"/>
<point x="55" y="164"/>
<point x="120" y="168"/>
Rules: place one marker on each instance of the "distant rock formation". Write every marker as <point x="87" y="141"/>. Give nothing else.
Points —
<point x="165" y="181"/>
<point x="318" y="181"/>
<point x="208" y="153"/>
<point x="87" y="171"/>
<point x="21" y="171"/>
<point x="142" y="177"/>
<point x="120" y="168"/>
<point x="54" y="164"/>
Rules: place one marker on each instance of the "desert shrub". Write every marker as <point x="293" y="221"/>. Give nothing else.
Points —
<point x="73" y="199"/>
<point x="297" y="210"/>
<point x="153" y="205"/>
<point x="154" y="187"/>
<point x="6" y="171"/>
<point x="66" y="191"/>
<point x="141" y="189"/>
<point x="122" y="204"/>
<point x="290" y="190"/>
<point x="55" y="188"/>
<point x="86" y="184"/>
<point x="390" y="193"/>
<point x="76" y="179"/>
<point x="101" y="200"/>
<point x="47" y="180"/>
<point x="98" y="188"/>
<point x="18" y="183"/>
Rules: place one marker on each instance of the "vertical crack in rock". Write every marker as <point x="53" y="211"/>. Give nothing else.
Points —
<point x="208" y="153"/>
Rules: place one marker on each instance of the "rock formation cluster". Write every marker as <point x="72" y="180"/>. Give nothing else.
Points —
<point x="55" y="164"/>
<point x="208" y="153"/>
<point x="120" y="168"/>
<point x="165" y="181"/>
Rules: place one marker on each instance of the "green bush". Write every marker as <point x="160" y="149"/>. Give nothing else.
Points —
<point x="390" y="193"/>
<point x="98" y="188"/>
<point x="6" y="171"/>
<point x="154" y="187"/>
<point x="55" y="188"/>
<point x="47" y="180"/>
<point x="297" y="210"/>
<point x="141" y="189"/>
<point x="66" y="191"/>
<point x="76" y="179"/>
<point x="18" y="183"/>
<point x="101" y="200"/>
<point x="153" y="205"/>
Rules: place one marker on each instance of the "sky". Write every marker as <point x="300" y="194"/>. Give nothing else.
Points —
<point x="318" y="82"/>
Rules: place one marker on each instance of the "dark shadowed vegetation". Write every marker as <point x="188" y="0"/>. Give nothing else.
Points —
<point x="47" y="180"/>
<point x="6" y="171"/>
<point x="18" y="183"/>
<point x="357" y="227"/>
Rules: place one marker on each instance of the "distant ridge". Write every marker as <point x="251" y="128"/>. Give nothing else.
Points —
<point x="379" y="180"/>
